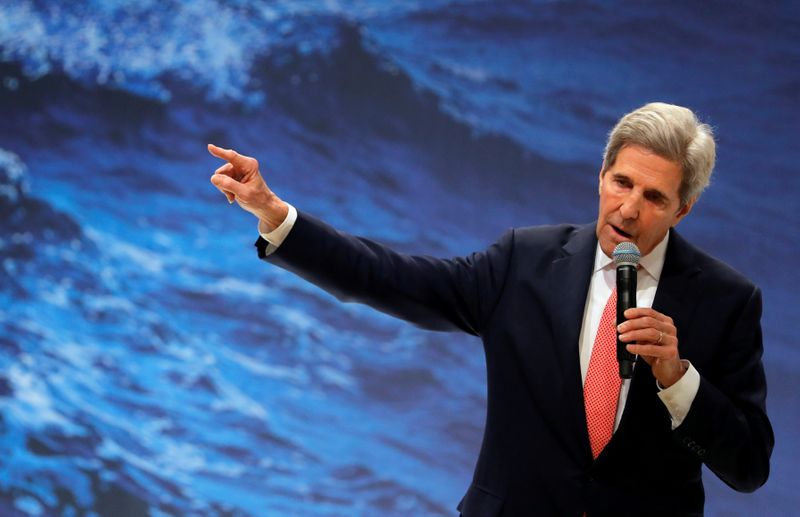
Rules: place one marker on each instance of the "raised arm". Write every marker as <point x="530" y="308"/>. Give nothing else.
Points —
<point x="432" y="293"/>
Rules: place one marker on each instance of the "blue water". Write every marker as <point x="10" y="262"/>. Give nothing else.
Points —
<point x="150" y="365"/>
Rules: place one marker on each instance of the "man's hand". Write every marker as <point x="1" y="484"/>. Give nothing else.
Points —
<point x="241" y="181"/>
<point x="656" y="341"/>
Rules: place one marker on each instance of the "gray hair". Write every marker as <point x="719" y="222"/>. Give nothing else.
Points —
<point x="674" y="133"/>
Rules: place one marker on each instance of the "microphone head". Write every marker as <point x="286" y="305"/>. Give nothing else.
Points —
<point x="626" y="254"/>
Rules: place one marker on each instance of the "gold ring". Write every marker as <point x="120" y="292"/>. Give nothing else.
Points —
<point x="660" y="337"/>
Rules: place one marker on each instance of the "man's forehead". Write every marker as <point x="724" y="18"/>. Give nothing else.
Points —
<point x="642" y="166"/>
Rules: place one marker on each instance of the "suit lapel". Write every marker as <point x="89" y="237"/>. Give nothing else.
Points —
<point x="674" y="294"/>
<point x="569" y="278"/>
<point x="569" y="284"/>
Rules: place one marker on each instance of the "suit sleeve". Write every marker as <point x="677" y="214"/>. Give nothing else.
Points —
<point x="436" y="294"/>
<point x="727" y="426"/>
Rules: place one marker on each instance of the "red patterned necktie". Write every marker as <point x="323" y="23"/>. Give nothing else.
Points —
<point x="601" y="389"/>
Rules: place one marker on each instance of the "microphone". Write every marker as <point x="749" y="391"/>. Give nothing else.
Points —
<point x="626" y="257"/>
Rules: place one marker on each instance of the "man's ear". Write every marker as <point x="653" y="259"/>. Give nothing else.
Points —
<point x="684" y="210"/>
<point x="600" y="177"/>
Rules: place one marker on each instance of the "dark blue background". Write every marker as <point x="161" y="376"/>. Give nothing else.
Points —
<point x="150" y="365"/>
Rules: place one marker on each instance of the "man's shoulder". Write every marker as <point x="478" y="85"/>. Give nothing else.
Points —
<point x="544" y="244"/>
<point x="556" y="235"/>
<point x="713" y="269"/>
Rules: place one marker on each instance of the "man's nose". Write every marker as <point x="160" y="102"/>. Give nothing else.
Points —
<point x="630" y="206"/>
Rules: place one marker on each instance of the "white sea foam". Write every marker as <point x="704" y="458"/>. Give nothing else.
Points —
<point x="32" y="404"/>
<point x="231" y="398"/>
<point x="137" y="44"/>
<point x="112" y="303"/>
<point x="147" y="260"/>
<point x="56" y="294"/>
<point x="13" y="168"/>
<point x="335" y="377"/>
<point x="236" y="286"/>
<point x="296" y="375"/>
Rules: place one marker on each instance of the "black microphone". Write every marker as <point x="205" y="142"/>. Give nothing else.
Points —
<point x="626" y="257"/>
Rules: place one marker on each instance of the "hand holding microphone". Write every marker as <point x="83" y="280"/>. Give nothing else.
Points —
<point x="642" y="330"/>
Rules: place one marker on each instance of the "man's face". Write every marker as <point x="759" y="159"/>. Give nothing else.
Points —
<point x="639" y="200"/>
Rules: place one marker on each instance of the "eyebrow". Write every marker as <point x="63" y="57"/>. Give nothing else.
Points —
<point x="651" y="191"/>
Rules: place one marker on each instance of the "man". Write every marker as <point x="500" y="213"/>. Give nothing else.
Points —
<point x="564" y="436"/>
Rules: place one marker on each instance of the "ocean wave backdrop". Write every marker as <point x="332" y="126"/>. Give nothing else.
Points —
<point x="150" y="365"/>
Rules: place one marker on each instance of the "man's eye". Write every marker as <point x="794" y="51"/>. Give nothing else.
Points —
<point x="655" y="198"/>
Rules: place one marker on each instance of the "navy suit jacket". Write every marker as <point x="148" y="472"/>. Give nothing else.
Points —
<point x="525" y="296"/>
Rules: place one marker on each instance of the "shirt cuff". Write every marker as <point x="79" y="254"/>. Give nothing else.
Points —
<point x="679" y="397"/>
<point x="276" y="237"/>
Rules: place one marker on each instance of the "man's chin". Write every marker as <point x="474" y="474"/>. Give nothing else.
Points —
<point x="610" y="239"/>
<point x="608" y="247"/>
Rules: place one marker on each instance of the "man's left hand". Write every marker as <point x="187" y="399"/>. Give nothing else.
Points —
<point x="654" y="338"/>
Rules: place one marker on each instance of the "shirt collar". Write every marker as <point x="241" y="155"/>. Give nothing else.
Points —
<point x="652" y="263"/>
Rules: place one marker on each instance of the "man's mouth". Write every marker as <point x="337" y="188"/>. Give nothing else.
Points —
<point x="621" y="233"/>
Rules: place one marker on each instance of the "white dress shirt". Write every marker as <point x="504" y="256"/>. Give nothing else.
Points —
<point x="677" y="398"/>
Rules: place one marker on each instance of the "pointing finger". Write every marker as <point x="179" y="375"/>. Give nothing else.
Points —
<point x="226" y="154"/>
